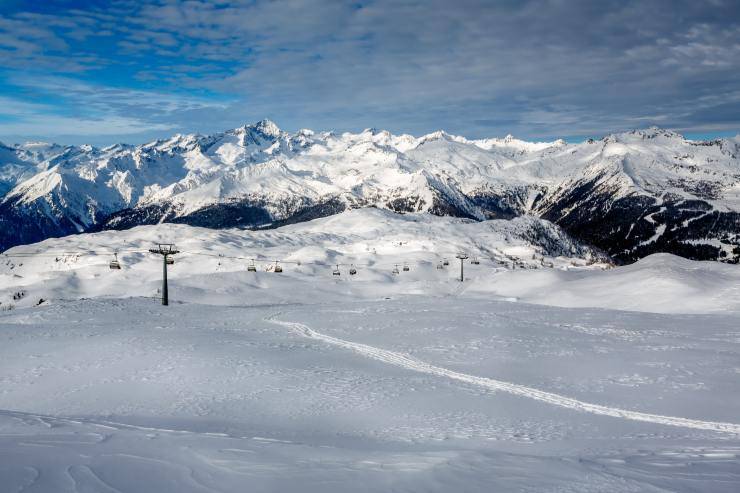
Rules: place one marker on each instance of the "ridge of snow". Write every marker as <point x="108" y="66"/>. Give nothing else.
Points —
<point x="263" y="161"/>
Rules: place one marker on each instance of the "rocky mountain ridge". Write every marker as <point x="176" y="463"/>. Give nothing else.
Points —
<point x="629" y="194"/>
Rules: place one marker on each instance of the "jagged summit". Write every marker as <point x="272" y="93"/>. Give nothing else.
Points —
<point x="631" y="193"/>
<point x="650" y="133"/>
<point x="267" y="127"/>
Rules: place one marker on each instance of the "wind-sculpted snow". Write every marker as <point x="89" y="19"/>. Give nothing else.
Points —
<point x="525" y="259"/>
<point x="390" y="395"/>
<point x="660" y="283"/>
<point x="379" y="381"/>
<point x="547" y="369"/>
<point x="373" y="240"/>
<point x="404" y="361"/>
<point x="613" y="193"/>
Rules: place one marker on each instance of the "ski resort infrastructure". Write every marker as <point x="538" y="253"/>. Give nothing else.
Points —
<point x="273" y="368"/>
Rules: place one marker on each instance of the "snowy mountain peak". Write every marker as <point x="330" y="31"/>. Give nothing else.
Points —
<point x="440" y="135"/>
<point x="258" y="174"/>
<point x="117" y="147"/>
<point x="266" y="127"/>
<point x="650" y="133"/>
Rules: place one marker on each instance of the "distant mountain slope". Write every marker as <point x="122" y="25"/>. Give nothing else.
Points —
<point x="630" y="194"/>
<point x="373" y="240"/>
<point x="653" y="191"/>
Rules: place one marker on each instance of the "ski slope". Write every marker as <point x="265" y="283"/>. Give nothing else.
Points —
<point x="546" y="370"/>
<point x="126" y="395"/>
<point x="394" y="358"/>
<point x="374" y="241"/>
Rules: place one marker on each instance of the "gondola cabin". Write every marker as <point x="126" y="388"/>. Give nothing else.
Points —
<point x="114" y="264"/>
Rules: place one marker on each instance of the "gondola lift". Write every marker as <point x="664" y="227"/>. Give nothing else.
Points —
<point x="114" y="264"/>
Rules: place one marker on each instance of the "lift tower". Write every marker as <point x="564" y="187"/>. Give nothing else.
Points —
<point x="462" y="258"/>
<point x="165" y="250"/>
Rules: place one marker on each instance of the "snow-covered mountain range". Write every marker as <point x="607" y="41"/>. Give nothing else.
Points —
<point x="630" y="194"/>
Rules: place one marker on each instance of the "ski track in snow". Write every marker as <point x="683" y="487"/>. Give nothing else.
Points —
<point x="404" y="361"/>
<point x="51" y="421"/>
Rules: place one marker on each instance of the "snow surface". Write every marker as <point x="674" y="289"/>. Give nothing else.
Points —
<point x="266" y="165"/>
<point x="575" y="377"/>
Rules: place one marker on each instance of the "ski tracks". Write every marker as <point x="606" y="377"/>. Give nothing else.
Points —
<point x="407" y="362"/>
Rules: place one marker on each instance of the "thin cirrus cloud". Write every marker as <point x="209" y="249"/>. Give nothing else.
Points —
<point x="73" y="109"/>
<point x="128" y="70"/>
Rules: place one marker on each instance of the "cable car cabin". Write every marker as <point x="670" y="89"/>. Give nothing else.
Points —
<point x="114" y="264"/>
<point x="251" y="267"/>
<point x="336" y="272"/>
<point x="445" y="262"/>
<point x="170" y="261"/>
<point x="352" y="271"/>
<point x="405" y="268"/>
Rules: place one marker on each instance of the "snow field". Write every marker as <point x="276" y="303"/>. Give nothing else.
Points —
<point x="577" y="377"/>
<point x="133" y="396"/>
<point x="397" y="359"/>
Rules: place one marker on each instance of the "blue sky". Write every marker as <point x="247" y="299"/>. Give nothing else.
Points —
<point x="129" y="71"/>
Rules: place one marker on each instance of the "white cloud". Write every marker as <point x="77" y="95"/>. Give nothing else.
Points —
<point x="534" y="67"/>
